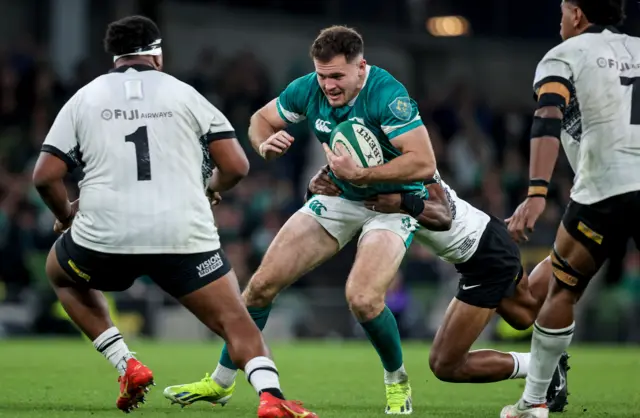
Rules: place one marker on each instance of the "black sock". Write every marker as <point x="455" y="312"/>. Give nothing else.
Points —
<point x="275" y="392"/>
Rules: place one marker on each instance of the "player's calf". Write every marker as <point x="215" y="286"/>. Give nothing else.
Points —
<point x="379" y="255"/>
<point x="88" y="309"/>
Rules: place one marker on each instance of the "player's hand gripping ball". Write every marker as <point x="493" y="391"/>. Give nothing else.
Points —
<point x="352" y="148"/>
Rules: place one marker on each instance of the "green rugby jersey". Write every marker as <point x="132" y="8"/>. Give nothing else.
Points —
<point x="383" y="106"/>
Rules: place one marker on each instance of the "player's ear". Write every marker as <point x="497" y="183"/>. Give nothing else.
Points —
<point x="577" y="17"/>
<point x="362" y="66"/>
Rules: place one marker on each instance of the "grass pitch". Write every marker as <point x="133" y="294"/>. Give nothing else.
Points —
<point x="69" y="379"/>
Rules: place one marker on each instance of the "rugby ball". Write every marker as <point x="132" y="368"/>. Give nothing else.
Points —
<point x="361" y="144"/>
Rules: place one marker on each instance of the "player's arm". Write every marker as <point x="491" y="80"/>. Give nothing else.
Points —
<point x="400" y="120"/>
<point x="231" y="163"/>
<point x="57" y="157"/>
<point x="433" y="214"/>
<point x="553" y="95"/>
<point x="267" y="126"/>
<point x="553" y="92"/>
<point x="416" y="163"/>
<point x="266" y="132"/>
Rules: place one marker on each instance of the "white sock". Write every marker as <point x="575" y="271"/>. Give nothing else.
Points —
<point x="224" y="376"/>
<point x="521" y="365"/>
<point x="262" y="374"/>
<point x="399" y="376"/>
<point x="547" y="346"/>
<point x="112" y="346"/>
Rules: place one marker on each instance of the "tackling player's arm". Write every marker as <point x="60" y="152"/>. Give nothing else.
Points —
<point x="433" y="214"/>
<point x="553" y="93"/>
<point x="58" y="157"/>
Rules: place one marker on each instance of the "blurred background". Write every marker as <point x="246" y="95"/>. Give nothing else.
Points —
<point x="468" y="64"/>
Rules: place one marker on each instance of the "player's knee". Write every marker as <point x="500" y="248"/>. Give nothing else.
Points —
<point x="523" y="321"/>
<point x="365" y="305"/>
<point x="559" y="293"/>
<point x="261" y="290"/>
<point x="442" y="368"/>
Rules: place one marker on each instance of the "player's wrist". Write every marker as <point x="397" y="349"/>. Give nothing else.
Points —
<point x="68" y="217"/>
<point x="360" y="176"/>
<point x="412" y="204"/>
<point x="538" y="188"/>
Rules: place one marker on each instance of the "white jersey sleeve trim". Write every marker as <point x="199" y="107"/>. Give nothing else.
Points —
<point x="288" y="116"/>
<point x="388" y="129"/>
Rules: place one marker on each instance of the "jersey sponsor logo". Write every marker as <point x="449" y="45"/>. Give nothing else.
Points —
<point x="323" y="126"/>
<point x="620" y="66"/>
<point x="210" y="265"/>
<point x="401" y="108"/>
<point x="135" y="114"/>
<point x="317" y="207"/>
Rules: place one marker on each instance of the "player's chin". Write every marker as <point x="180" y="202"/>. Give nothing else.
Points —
<point x="336" y="100"/>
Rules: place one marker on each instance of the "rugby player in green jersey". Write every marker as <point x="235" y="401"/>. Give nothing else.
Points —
<point x="343" y="87"/>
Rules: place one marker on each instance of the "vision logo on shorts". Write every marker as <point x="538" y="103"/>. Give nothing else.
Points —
<point x="317" y="207"/>
<point x="209" y="266"/>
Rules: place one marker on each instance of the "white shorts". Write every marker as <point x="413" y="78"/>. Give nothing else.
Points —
<point x="343" y="219"/>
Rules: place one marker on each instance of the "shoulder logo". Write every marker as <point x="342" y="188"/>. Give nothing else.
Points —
<point x="401" y="108"/>
<point x="323" y="126"/>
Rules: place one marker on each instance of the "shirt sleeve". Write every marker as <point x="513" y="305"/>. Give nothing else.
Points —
<point x="62" y="139"/>
<point x="292" y="102"/>
<point x="212" y="124"/>
<point x="554" y="75"/>
<point x="399" y="113"/>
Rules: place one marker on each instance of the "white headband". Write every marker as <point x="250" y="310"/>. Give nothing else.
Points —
<point x="154" y="48"/>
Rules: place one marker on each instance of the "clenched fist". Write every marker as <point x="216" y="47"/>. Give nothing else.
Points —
<point x="275" y="146"/>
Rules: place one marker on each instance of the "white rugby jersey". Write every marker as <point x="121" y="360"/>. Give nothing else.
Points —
<point x="601" y="125"/>
<point x="141" y="137"/>
<point x="459" y="243"/>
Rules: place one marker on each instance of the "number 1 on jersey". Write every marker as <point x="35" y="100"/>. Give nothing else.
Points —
<point x="635" y="97"/>
<point x="141" y="142"/>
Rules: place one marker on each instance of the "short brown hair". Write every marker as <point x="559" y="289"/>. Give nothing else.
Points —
<point x="337" y="40"/>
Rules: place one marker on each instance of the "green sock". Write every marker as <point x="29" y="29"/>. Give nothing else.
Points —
<point x="259" y="316"/>
<point x="383" y="333"/>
